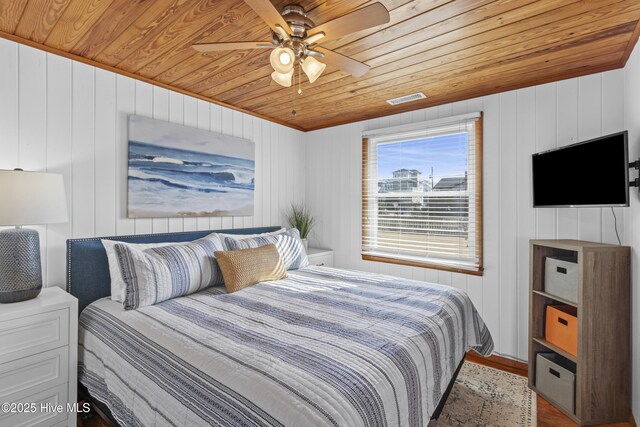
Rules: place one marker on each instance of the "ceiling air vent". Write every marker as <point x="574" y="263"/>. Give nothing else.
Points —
<point x="407" y="98"/>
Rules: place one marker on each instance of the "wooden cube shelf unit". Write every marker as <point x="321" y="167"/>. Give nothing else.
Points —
<point x="602" y="392"/>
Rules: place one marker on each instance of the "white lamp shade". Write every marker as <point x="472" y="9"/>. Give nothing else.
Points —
<point x="282" y="59"/>
<point x="31" y="198"/>
<point x="313" y="68"/>
<point x="283" y="79"/>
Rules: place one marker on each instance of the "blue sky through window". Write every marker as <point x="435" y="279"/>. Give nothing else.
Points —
<point x="447" y="154"/>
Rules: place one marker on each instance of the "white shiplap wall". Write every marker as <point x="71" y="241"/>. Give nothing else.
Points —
<point x="63" y="116"/>
<point x="516" y="125"/>
<point x="632" y="219"/>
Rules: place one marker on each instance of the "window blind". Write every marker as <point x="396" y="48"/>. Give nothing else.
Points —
<point x="422" y="194"/>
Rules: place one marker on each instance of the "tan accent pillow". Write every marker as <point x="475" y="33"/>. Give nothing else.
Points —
<point x="246" y="267"/>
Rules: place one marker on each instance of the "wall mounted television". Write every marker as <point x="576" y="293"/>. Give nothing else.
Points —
<point x="587" y="174"/>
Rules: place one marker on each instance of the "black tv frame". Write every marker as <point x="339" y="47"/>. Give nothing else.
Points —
<point x="627" y="165"/>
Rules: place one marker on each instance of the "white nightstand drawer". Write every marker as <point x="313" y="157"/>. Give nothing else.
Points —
<point x="43" y="371"/>
<point x="33" y="334"/>
<point x="50" y="398"/>
<point x="322" y="260"/>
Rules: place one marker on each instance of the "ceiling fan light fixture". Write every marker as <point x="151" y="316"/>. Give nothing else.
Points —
<point x="283" y="79"/>
<point x="282" y="59"/>
<point x="314" y="38"/>
<point x="283" y="33"/>
<point x="312" y="68"/>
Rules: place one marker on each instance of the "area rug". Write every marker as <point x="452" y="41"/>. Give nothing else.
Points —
<point x="484" y="396"/>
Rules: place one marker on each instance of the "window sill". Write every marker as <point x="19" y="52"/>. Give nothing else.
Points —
<point x="441" y="267"/>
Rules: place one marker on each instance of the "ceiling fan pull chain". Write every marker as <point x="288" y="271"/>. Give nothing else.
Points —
<point x="293" y="96"/>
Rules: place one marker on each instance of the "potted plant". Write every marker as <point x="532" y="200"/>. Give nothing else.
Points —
<point x="301" y="219"/>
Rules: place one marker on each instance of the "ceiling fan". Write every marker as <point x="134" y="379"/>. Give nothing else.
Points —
<point x="295" y="37"/>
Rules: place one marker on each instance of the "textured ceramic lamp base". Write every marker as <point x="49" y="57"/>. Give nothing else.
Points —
<point x="20" y="273"/>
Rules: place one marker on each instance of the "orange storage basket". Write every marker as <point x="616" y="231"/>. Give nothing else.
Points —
<point x="561" y="327"/>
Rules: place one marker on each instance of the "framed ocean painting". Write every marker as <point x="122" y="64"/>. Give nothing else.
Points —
<point x="178" y="171"/>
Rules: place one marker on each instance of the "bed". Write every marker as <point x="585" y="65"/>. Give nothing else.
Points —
<point x="322" y="347"/>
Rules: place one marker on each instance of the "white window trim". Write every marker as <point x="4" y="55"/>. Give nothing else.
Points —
<point x="419" y="126"/>
<point x="412" y="131"/>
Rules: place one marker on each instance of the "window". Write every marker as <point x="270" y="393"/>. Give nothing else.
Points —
<point x="422" y="194"/>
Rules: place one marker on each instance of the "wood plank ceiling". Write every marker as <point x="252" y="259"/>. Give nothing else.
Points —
<point x="450" y="50"/>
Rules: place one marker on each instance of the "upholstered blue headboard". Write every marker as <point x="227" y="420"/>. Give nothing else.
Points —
<point x="88" y="276"/>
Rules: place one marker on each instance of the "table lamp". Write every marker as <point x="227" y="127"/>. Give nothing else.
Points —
<point x="26" y="198"/>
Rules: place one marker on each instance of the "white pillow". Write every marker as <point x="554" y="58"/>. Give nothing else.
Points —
<point x="118" y="287"/>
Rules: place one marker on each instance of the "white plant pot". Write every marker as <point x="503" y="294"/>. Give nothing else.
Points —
<point x="305" y="243"/>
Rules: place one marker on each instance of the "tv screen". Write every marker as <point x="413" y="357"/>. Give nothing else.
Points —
<point x="589" y="173"/>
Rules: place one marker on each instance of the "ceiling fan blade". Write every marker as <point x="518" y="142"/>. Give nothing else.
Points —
<point x="269" y="14"/>
<point x="351" y="66"/>
<point x="361" y="19"/>
<point x="213" y="47"/>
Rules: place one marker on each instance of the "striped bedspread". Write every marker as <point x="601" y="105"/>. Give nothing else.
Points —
<point x="323" y="347"/>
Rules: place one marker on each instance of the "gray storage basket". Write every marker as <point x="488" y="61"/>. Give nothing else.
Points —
<point x="561" y="278"/>
<point x="556" y="379"/>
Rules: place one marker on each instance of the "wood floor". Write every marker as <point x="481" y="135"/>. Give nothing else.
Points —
<point x="548" y="416"/>
<point x="95" y="421"/>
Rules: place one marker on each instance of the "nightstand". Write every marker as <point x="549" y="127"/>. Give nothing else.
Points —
<point x="38" y="360"/>
<point x="318" y="256"/>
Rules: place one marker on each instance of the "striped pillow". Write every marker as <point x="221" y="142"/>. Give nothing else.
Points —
<point x="157" y="274"/>
<point x="118" y="287"/>
<point x="288" y="244"/>
<point x="222" y="236"/>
